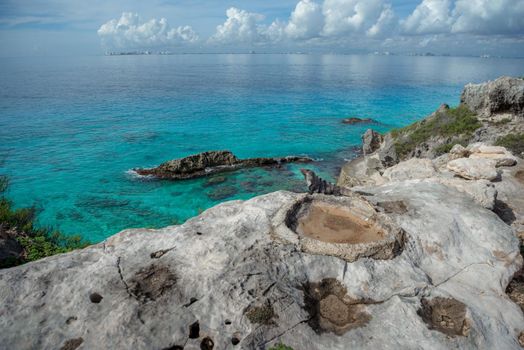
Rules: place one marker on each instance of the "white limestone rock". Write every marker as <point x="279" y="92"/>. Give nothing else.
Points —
<point x="502" y="95"/>
<point x="459" y="151"/>
<point x="207" y="280"/>
<point x="474" y="169"/>
<point x="414" y="168"/>
<point x="481" y="191"/>
<point x="499" y="154"/>
<point x="364" y="170"/>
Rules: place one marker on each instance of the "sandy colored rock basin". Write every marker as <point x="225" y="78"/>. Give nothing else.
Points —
<point x="346" y="227"/>
<point x="335" y="224"/>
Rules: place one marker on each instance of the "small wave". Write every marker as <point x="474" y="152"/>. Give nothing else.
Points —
<point x="134" y="175"/>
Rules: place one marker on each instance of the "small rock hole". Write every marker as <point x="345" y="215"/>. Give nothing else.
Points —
<point x="235" y="341"/>
<point x="95" y="298"/>
<point x="207" y="344"/>
<point x="174" y="347"/>
<point x="227" y="322"/>
<point x="194" y="330"/>
<point x="71" y="319"/>
<point x="199" y="233"/>
<point x="72" y="344"/>
<point x="191" y="302"/>
<point x="158" y="254"/>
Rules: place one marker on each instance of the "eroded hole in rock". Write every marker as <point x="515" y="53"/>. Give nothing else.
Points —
<point x="394" y="207"/>
<point x="445" y="315"/>
<point x="151" y="282"/>
<point x="235" y="340"/>
<point x="159" y="254"/>
<point x="346" y="227"/>
<point x="174" y="347"/>
<point x="515" y="289"/>
<point x="504" y="212"/>
<point x="194" y="330"/>
<point x="72" y="344"/>
<point x="71" y="319"/>
<point x="95" y="298"/>
<point x="207" y="344"/>
<point x="331" y="309"/>
<point x="199" y="233"/>
<point x="261" y="314"/>
<point x="227" y="322"/>
<point x="519" y="175"/>
<point x="191" y="302"/>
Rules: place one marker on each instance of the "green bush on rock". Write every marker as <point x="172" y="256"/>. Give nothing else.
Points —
<point x="459" y="122"/>
<point x="36" y="243"/>
<point x="513" y="142"/>
<point x="281" y="346"/>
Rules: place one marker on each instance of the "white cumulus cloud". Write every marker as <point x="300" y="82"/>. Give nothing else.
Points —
<point x="489" y="17"/>
<point x="480" y="17"/>
<point x="310" y="20"/>
<point x="429" y="17"/>
<point x="386" y="23"/>
<point x="240" y="26"/>
<point x="130" y="32"/>
<point x="306" y="21"/>
<point x="356" y="16"/>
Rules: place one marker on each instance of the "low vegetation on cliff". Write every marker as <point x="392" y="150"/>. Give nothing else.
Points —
<point x="27" y="242"/>
<point x="513" y="142"/>
<point x="458" y="123"/>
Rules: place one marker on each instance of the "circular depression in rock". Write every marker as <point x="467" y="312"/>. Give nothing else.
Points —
<point x="331" y="223"/>
<point x="346" y="227"/>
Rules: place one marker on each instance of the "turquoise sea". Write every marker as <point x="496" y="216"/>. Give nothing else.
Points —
<point x="71" y="128"/>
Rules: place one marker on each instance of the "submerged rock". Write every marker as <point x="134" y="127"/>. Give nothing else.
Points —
<point x="355" y="120"/>
<point x="222" y="192"/>
<point x="207" y="163"/>
<point x="215" y="180"/>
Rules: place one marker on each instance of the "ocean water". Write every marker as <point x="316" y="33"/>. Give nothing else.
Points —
<point x="71" y="128"/>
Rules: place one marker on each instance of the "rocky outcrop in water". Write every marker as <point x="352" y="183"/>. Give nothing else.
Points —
<point x="213" y="162"/>
<point x="355" y="120"/>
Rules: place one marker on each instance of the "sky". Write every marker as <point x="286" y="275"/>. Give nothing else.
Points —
<point x="94" y="27"/>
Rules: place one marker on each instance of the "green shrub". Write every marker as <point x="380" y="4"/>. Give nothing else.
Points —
<point x="4" y="182"/>
<point x="513" y="142"/>
<point x="502" y="122"/>
<point x="37" y="243"/>
<point x="261" y="314"/>
<point x="453" y="122"/>
<point x="281" y="346"/>
<point x="443" y="149"/>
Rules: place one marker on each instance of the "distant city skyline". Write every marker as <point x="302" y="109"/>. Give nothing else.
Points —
<point x="460" y="27"/>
